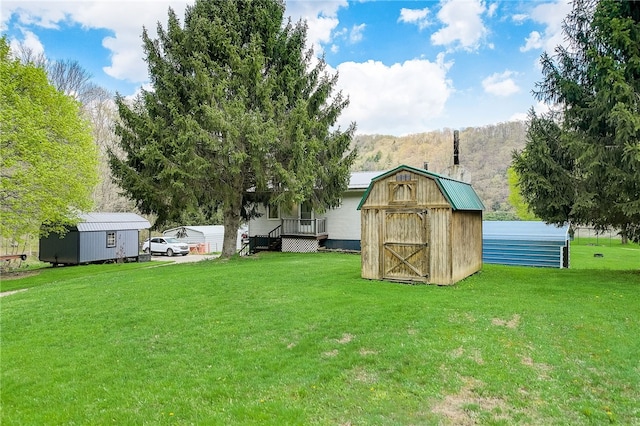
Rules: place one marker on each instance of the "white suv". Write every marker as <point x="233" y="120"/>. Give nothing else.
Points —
<point x="166" y="245"/>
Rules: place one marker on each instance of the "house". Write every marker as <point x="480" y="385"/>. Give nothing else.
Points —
<point x="420" y="227"/>
<point x="98" y="237"/>
<point x="201" y="239"/>
<point x="525" y="243"/>
<point x="300" y="229"/>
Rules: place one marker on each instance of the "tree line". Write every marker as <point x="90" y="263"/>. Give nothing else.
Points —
<point x="240" y="112"/>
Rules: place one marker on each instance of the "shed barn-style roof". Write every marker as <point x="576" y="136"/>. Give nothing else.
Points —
<point x="111" y="222"/>
<point x="460" y="195"/>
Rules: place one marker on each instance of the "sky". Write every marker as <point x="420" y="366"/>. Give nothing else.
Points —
<point x="406" y="66"/>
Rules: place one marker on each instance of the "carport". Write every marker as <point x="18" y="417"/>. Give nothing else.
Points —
<point x="525" y="243"/>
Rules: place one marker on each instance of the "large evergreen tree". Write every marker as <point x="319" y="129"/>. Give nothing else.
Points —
<point x="239" y="111"/>
<point x="48" y="160"/>
<point x="582" y="160"/>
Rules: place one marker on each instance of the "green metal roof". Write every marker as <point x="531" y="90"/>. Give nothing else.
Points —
<point x="460" y="195"/>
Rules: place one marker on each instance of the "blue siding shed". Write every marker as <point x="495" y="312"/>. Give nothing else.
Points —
<point x="97" y="237"/>
<point x="525" y="243"/>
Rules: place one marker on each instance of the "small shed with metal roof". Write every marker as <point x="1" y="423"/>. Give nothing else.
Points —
<point x="420" y="227"/>
<point x="98" y="237"/>
<point x="526" y="243"/>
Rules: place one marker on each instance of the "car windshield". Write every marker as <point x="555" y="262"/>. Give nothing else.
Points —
<point x="171" y="240"/>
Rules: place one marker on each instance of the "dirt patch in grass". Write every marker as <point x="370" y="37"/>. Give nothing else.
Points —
<point x="16" y="275"/>
<point x="467" y="408"/>
<point x="346" y="338"/>
<point x="542" y="368"/>
<point x="473" y="354"/>
<point x="9" y="293"/>
<point x="457" y="353"/>
<point x="362" y="375"/>
<point x="512" y="323"/>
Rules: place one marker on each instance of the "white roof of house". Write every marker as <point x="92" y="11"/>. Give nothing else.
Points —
<point x="361" y="180"/>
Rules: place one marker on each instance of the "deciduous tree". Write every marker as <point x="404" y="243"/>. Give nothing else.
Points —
<point x="48" y="161"/>
<point x="582" y="162"/>
<point x="239" y="110"/>
<point x="523" y="212"/>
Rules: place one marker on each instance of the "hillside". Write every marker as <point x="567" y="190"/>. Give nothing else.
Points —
<point x="485" y="154"/>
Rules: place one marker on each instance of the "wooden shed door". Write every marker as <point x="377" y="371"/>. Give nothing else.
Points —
<point x="405" y="248"/>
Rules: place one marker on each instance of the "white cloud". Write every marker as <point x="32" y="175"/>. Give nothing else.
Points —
<point x="356" y="33"/>
<point x="500" y="84"/>
<point x="125" y="20"/>
<point x="321" y="18"/>
<point x="48" y="14"/>
<point x="550" y="15"/>
<point x="397" y="99"/>
<point x="30" y="41"/>
<point x="539" y="108"/>
<point x="519" y="116"/>
<point x="519" y="18"/>
<point x="491" y="11"/>
<point x="534" y="41"/>
<point x="463" y="24"/>
<point x="415" y="16"/>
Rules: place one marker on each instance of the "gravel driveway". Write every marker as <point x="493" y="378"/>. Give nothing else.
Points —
<point x="185" y="259"/>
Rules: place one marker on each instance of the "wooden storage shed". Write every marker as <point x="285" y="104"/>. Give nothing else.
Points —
<point x="98" y="237"/>
<point x="525" y="243"/>
<point x="422" y="227"/>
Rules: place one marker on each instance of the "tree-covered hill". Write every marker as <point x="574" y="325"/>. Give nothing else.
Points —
<point x="485" y="154"/>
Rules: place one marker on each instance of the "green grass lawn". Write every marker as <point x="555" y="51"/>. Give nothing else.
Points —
<point x="302" y="339"/>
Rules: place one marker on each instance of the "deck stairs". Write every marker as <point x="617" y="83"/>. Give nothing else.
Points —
<point x="270" y="242"/>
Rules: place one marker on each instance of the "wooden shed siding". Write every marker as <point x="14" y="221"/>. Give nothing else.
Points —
<point x="466" y="243"/>
<point x="429" y="194"/>
<point x="370" y="252"/>
<point x="440" y="246"/>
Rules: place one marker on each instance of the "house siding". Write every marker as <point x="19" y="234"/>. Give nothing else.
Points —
<point x="343" y="223"/>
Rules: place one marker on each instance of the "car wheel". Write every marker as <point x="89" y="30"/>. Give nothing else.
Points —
<point x="184" y="254"/>
<point x="147" y="251"/>
<point x="169" y="252"/>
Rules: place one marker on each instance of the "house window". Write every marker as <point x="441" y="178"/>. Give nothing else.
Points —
<point x="111" y="239"/>
<point x="306" y="213"/>
<point x="274" y="212"/>
<point x="403" y="177"/>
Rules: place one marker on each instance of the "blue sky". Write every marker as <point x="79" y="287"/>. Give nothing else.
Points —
<point x="407" y="66"/>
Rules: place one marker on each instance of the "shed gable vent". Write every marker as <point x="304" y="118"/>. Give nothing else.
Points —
<point x="403" y="189"/>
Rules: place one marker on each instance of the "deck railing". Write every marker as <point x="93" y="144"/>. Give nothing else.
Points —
<point x="304" y="226"/>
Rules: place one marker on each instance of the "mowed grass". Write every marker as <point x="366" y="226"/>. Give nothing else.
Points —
<point x="302" y="339"/>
